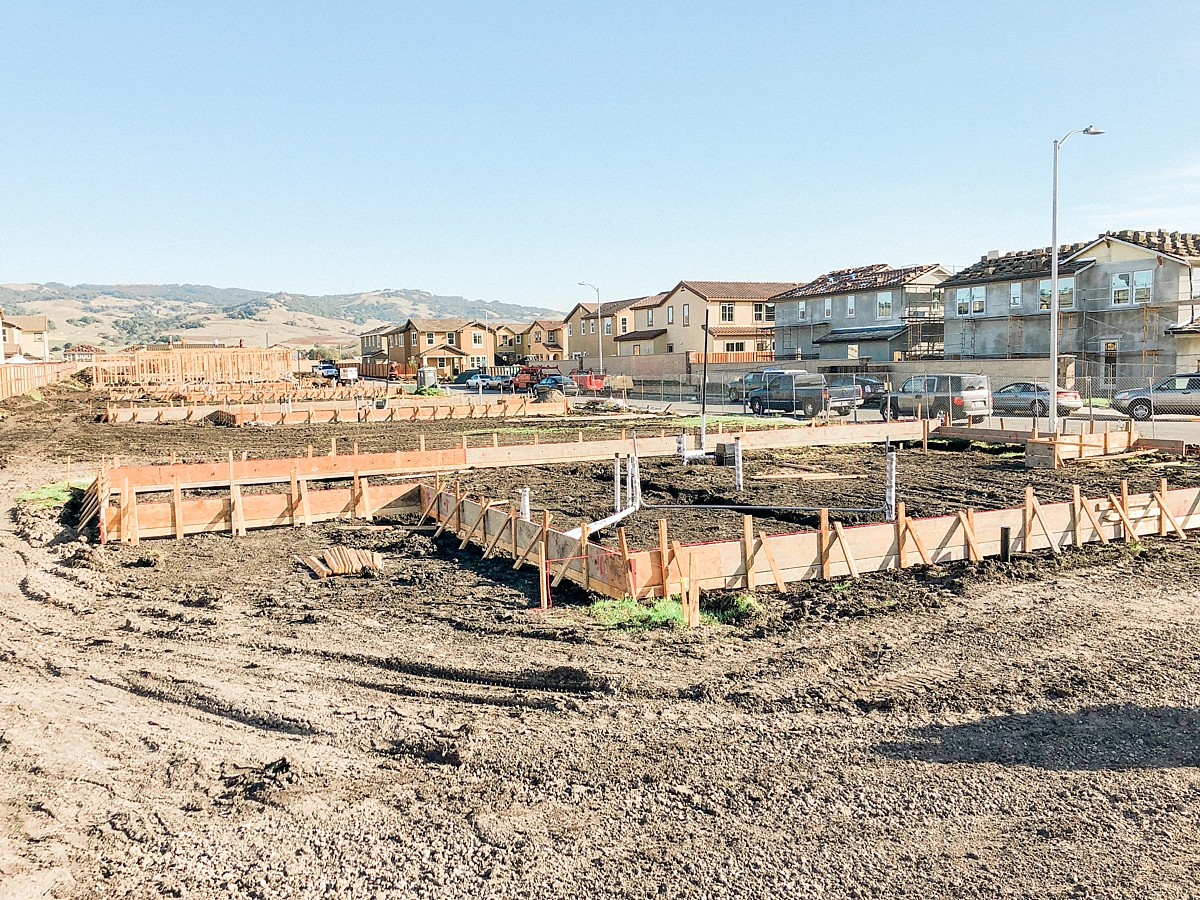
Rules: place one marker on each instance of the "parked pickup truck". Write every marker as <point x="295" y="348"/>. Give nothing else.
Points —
<point x="809" y="395"/>
<point x="957" y="397"/>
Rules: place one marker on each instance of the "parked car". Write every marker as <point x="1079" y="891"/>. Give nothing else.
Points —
<point x="1179" y="394"/>
<point x="479" y="380"/>
<point x="802" y="393"/>
<point x="1034" y="398"/>
<point x="752" y="381"/>
<point x="461" y="377"/>
<point x="499" y="383"/>
<point x="325" y="369"/>
<point x="871" y="391"/>
<point x="560" y="383"/>
<point x="957" y="397"/>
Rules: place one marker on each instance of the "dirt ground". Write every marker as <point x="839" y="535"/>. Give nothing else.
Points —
<point x="204" y="719"/>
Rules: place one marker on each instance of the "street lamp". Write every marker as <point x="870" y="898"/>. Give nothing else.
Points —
<point x="599" y="325"/>
<point x="1054" y="282"/>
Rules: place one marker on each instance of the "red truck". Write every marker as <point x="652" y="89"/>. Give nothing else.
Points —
<point x="531" y="375"/>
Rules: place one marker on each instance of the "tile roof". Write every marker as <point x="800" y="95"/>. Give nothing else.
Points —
<point x="646" y="334"/>
<point x="739" y="290"/>
<point x="611" y="308"/>
<point x="440" y="324"/>
<point x="29" y="323"/>
<point x="726" y="330"/>
<point x="441" y="350"/>
<point x="544" y="324"/>
<point x="381" y="330"/>
<point x="846" y="335"/>
<point x="651" y="301"/>
<point x="1173" y="243"/>
<point x="860" y="278"/>
<point x="1021" y="264"/>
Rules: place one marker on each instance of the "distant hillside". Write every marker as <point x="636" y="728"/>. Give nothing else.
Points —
<point x="116" y="315"/>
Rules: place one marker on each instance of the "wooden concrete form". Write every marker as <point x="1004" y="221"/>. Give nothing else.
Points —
<point x="406" y="409"/>
<point x="184" y="365"/>
<point x="258" y="392"/>
<point x="833" y="552"/>
<point x="1051" y="451"/>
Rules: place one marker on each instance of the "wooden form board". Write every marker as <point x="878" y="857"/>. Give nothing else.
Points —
<point x="326" y="412"/>
<point x="259" y="392"/>
<point x="405" y="462"/>
<point x="849" y="551"/>
<point x="207" y="514"/>
<point x="1050" y="452"/>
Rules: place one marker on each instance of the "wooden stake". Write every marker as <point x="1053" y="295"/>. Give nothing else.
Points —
<point x="483" y="508"/>
<point x="1086" y="506"/>
<point x="1027" y="521"/>
<point x="824" y="539"/>
<point x="845" y="545"/>
<point x="748" y="549"/>
<point x="901" y="534"/>
<point x="1162" y="508"/>
<point x="662" y="557"/>
<point x="1037" y="511"/>
<point x="692" y="610"/>
<point x="508" y="522"/>
<point x="624" y="544"/>
<point x="584" y="552"/>
<point x="305" y="510"/>
<point x="177" y="508"/>
<point x="540" y="539"/>
<point x="293" y="498"/>
<point x="973" y="553"/>
<point x="775" y="573"/>
<point x="1163" y="511"/>
<point x="1128" y="526"/>
<point x="543" y="587"/>
<point x="1076" y="516"/>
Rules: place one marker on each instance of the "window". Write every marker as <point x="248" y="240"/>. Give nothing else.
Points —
<point x="687" y="318"/>
<point x="412" y="339"/>
<point x="670" y="315"/>
<point x="1110" y="362"/>
<point x="476" y="339"/>
<point x="883" y="305"/>
<point x="850" y="307"/>
<point x="624" y="324"/>
<point x="429" y="339"/>
<point x="441" y="362"/>
<point x="1120" y="290"/>
<point x="801" y="311"/>
<point x="852" y="351"/>
<point x="537" y="337"/>
<point x="649" y="318"/>
<point x="978" y="300"/>
<point x="592" y="326"/>
<point x="637" y="350"/>
<point x="735" y="346"/>
<point x="764" y="346"/>
<point x="829" y="307"/>
<point x="1066" y="293"/>
<point x="570" y="329"/>
<point x="608" y="325"/>
<point x="764" y="312"/>
<point x="670" y="348"/>
<point x="1141" y="286"/>
<point x="1044" y="294"/>
<point x="552" y="337"/>
<point x="450" y="338"/>
<point x="962" y="297"/>
<point x="726" y="312"/>
<point x="1014" y="296"/>
<point x="520" y="339"/>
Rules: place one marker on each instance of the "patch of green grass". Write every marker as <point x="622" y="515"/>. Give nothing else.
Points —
<point x="731" y="609"/>
<point x="751" y="422"/>
<point x="631" y="615"/>
<point x="51" y="495"/>
<point x="429" y="392"/>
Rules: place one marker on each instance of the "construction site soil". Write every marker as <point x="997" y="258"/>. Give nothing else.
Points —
<point x="204" y="719"/>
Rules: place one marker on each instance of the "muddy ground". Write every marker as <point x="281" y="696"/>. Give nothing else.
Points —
<point x="204" y="719"/>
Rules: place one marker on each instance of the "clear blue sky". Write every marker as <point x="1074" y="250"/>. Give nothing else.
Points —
<point x="510" y="150"/>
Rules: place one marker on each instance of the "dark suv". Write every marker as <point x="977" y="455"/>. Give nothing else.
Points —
<point x="871" y="391"/>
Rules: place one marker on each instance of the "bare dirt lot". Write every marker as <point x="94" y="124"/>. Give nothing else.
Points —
<point x="204" y="719"/>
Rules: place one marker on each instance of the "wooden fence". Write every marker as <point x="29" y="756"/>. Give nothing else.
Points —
<point x="181" y="366"/>
<point x="20" y="378"/>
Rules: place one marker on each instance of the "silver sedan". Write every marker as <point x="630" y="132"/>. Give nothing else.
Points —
<point x="1033" y="398"/>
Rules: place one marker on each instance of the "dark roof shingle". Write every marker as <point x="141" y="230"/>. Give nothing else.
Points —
<point x="860" y="278"/>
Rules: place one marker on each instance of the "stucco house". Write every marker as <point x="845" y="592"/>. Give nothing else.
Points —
<point x="382" y="345"/>
<point x="28" y="336"/>
<point x="448" y="345"/>
<point x="81" y="353"/>
<point x="587" y="331"/>
<point x="1129" y="301"/>
<point x="545" y="339"/>
<point x="873" y="312"/>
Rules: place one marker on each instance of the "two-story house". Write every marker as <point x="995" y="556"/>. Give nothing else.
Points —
<point x="545" y="339"/>
<point x="588" y="332"/>
<point x="382" y="345"/>
<point x="872" y="312"/>
<point x="26" y="336"/>
<point x="1128" y="302"/>
<point x="448" y="345"/>
<point x="741" y="316"/>
<point x="506" y="343"/>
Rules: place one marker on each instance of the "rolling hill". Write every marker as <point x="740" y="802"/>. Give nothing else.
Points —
<point x="114" y="316"/>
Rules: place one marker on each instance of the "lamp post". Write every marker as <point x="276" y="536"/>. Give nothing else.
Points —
<point x="599" y="325"/>
<point x="1054" y="282"/>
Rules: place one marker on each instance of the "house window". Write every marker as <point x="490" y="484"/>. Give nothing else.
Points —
<point x="962" y="298"/>
<point x="801" y="311"/>
<point x="476" y="339"/>
<point x="537" y="337"/>
<point x="570" y="329"/>
<point x="592" y="326"/>
<point x="1014" y="296"/>
<point x="441" y="362"/>
<point x="624" y="324"/>
<point x="412" y="339"/>
<point x="1044" y="294"/>
<point x="670" y="315"/>
<point x="770" y="310"/>
<point x="726" y="312"/>
<point x="1120" y="290"/>
<point x="670" y="348"/>
<point x="852" y="351"/>
<point x="764" y="346"/>
<point x="552" y="337"/>
<point x="883" y="305"/>
<point x="735" y="346"/>
<point x="764" y="312"/>
<point x="608" y="325"/>
<point x="637" y="349"/>
<point x="450" y="338"/>
<point x="829" y="308"/>
<point x="850" y="307"/>
<point x="520" y="339"/>
<point x="687" y="316"/>
<point x="978" y="300"/>
<point x="649" y="318"/>
<point x="429" y="339"/>
<point x="1066" y="293"/>
<point x="1141" y="286"/>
